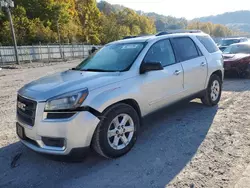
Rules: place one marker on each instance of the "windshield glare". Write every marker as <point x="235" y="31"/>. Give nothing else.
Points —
<point x="112" y="58"/>
<point x="237" y="49"/>
<point x="229" y="42"/>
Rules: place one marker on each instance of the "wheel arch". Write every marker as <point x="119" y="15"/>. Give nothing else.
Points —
<point x="131" y="102"/>
<point x="218" y="73"/>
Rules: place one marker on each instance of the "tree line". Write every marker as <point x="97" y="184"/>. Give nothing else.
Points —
<point x="215" y="30"/>
<point x="83" y="21"/>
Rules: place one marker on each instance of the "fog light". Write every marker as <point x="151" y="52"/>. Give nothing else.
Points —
<point x="53" y="142"/>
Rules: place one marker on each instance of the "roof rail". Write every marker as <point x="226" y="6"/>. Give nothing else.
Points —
<point x="135" y="36"/>
<point x="177" y="31"/>
<point x="130" y="37"/>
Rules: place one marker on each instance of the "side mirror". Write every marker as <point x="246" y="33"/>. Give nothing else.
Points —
<point x="150" y="66"/>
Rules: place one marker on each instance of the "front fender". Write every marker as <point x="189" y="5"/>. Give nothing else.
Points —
<point x="100" y="100"/>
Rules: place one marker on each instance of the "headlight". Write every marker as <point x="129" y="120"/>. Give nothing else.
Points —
<point x="67" y="101"/>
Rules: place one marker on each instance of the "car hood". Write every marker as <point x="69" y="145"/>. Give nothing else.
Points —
<point x="63" y="82"/>
<point x="234" y="57"/>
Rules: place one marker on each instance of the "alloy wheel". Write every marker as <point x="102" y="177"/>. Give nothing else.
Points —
<point x="215" y="90"/>
<point x="120" y="131"/>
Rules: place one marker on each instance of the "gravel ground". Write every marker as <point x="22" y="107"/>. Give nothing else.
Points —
<point x="185" y="145"/>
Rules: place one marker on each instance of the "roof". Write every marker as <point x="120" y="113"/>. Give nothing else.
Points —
<point x="136" y="39"/>
<point x="165" y="34"/>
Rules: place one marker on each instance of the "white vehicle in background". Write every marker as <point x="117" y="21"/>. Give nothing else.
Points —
<point x="101" y="102"/>
<point x="228" y="41"/>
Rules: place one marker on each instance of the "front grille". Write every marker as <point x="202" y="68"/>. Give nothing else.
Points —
<point x="26" y="110"/>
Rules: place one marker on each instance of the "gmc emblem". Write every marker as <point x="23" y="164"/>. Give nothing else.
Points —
<point x="21" y="106"/>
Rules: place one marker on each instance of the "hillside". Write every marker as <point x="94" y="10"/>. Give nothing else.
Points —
<point x="238" y="20"/>
<point x="86" y="21"/>
<point x="108" y="8"/>
<point x="166" y="22"/>
<point x="161" y="22"/>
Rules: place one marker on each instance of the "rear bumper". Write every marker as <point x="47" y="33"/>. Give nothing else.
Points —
<point x="239" y="67"/>
<point x="76" y="132"/>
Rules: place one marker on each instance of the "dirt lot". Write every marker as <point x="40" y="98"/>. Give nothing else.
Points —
<point x="186" y="145"/>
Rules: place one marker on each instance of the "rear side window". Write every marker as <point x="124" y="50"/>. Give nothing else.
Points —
<point x="208" y="43"/>
<point x="185" y="48"/>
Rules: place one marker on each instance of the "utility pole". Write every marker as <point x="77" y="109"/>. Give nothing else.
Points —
<point x="59" y="39"/>
<point x="10" y="4"/>
<point x="13" y="35"/>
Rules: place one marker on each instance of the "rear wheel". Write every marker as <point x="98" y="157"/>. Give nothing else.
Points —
<point x="116" y="133"/>
<point x="213" y="92"/>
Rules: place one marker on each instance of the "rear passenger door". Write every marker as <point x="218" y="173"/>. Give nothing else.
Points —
<point x="193" y="62"/>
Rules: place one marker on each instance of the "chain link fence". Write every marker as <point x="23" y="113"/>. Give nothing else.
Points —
<point x="44" y="52"/>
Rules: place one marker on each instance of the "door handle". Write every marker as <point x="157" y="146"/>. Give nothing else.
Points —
<point x="203" y="64"/>
<point x="177" y="72"/>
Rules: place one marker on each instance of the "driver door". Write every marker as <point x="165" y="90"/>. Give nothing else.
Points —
<point x="165" y="86"/>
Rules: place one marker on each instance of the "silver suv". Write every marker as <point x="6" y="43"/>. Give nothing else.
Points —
<point x="100" y="103"/>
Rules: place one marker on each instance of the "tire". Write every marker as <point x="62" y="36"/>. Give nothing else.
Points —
<point x="107" y="145"/>
<point x="210" y="98"/>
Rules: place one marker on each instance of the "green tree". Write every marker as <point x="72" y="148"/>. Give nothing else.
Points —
<point x="215" y="30"/>
<point x="51" y="12"/>
<point x="111" y="30"/>
<point x="25" y="30"/>
<point x="89" y="16"/>
<point x="78" y="21"/>
<point x="147" y="25"/>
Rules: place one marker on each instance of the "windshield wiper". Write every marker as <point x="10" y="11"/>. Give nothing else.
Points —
<point x="98" y="70"/>
<point x="76" y="69"/>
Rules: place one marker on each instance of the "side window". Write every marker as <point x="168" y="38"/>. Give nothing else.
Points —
<point x="185" y="48"/>
<point x="208" y="43"/>
<point x="161" y="52"/>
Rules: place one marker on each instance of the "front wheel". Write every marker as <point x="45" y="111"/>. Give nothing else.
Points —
<point x="213" y="92"/>
<point x="116" y="133"/>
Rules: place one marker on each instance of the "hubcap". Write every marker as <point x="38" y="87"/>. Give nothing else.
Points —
<point x="120" y="132"/>
<point x="215" y="90"/>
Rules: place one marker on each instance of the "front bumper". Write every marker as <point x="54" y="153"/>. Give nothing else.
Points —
<point x="76" y="131"/>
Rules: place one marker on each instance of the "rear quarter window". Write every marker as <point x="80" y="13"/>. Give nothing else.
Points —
<point x="185" y="48"/>
<point x="208" y="43"/>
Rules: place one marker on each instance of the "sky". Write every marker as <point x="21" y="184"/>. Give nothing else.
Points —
<point x="185" y="8"/>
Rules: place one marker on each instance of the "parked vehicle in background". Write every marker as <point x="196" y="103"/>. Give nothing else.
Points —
<point x="93" y="50"/>
<point x="237" y="59"/>
<point x="101" y="102"/>
<point x="227" y="42"/>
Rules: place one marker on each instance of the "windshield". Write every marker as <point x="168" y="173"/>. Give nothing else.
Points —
<point x="237" y="49"/>
<point x="229" y="42"/>
<point x="112" y="58"/>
